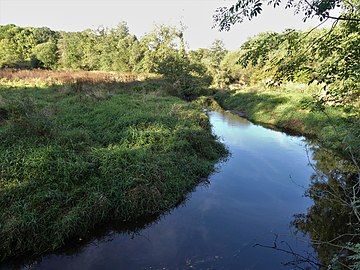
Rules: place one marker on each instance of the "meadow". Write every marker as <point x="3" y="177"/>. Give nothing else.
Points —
<point x="76" y="153"/>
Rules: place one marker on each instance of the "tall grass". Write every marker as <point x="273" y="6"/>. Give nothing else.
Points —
<point x="71" y="160"/>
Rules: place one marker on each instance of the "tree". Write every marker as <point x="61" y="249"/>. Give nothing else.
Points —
<point x="71" y="50"/>
<point x="47" y="54"/>
<point x="207" y="61"/>
<point x="110" y="49"/>
<point x="45" y="34"/>
<point x="163" y="51"/>
<point x="248" y="9"/>
<point x="16" y="44"/>
<point x="123" y="42"/>
<point x="23" y="47"/>
<point x="330" y="57"/>
<point x="217" y="53"/>
<point x="8" y="54"/>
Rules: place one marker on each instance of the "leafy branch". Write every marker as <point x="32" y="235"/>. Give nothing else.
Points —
<point x="225" y="17"/>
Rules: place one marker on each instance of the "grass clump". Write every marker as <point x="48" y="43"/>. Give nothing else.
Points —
<point x="72" y="160"/>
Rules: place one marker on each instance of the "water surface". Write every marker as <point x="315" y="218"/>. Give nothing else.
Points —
<point x="251" y="198"/>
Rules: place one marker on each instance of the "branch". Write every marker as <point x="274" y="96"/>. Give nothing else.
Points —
<point x="342" y="18"/>
<point x="298" y="257"/>
<point x="325" y="15"/>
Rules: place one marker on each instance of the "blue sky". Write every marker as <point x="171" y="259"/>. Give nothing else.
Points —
<point x="141" y="15"/>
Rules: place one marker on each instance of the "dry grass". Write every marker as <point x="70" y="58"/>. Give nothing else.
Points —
<point x="49" y="77"/>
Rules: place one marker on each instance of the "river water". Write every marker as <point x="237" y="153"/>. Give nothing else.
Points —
<point x="248" y="203"/>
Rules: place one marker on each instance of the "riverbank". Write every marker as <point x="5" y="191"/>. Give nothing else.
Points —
<point x="80" y="153"/>
<point x="294" y="110"/>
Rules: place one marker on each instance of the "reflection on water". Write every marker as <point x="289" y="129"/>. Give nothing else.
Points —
<point x="253" y="197"/>
<point x="233" y="120"/>
<point x="330" y="222"/>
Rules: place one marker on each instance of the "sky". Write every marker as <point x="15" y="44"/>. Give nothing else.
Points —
<point x="141" y="16"/>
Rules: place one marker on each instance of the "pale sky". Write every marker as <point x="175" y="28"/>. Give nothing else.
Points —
<point x="141" y="15"/>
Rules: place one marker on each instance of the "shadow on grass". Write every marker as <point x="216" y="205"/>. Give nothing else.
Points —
<point x="250" y="103"/>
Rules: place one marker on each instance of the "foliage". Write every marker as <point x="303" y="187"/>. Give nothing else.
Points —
<point x="163" y="51"/>
<point x="207" y="62"/>
<point x="329" y="58"/>
<point x="47" y="54"/>
<point x="356" y="256"/>
<point x="338" y="56"/>
<point x="249" y="9"/>
<point x="17" y="44"/>
<point x="101" y="49"/>
<point x="160" y="51"/>
<point x="90" y="144"/>
<point x="107" y="49"/>
<point x="308" y="82"/>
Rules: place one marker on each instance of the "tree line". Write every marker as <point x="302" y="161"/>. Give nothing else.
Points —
<point x="328" y="57"/>
<point x="108" y="49"/>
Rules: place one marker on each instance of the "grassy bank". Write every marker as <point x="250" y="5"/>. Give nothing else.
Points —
<point x="292" y="108"/>
<point x="77" y="154"/>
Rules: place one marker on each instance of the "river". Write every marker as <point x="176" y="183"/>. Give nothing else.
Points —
<point x="226" y="222"/>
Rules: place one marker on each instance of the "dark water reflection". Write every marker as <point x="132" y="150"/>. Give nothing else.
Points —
<point x="254" y="196"/>
<point x="331" y="222"/>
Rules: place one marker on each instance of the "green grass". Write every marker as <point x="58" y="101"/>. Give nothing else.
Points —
<point x="72" y="160"/>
